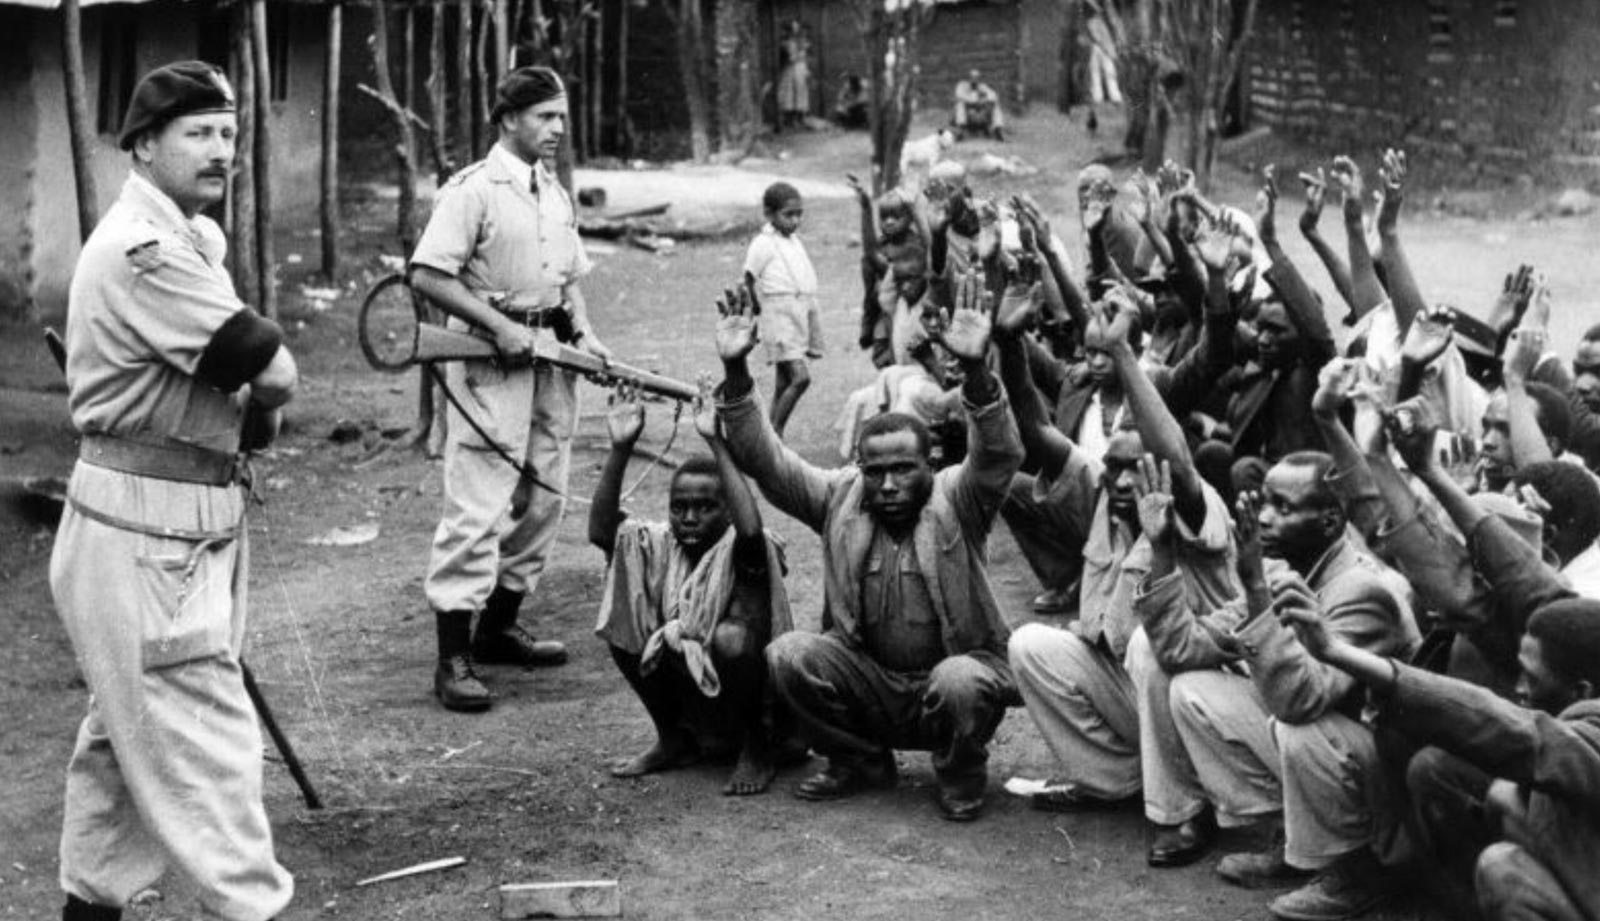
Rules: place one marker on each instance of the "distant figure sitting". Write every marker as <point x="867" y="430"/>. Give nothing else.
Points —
<point x="918" y="157"/>
<point x="850" y="108"/>
<point x="977" y="109"/>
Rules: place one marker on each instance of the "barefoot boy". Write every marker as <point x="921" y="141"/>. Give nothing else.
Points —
<point x="690" y="605"/>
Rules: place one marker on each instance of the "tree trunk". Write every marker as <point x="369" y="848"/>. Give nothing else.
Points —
<point x="892" y="90"/>
<point x="245" y="258"/>
<point x="444" y="163"/>
<point x="78" y="128"/>
<point x="405" y="149"/>
<point x="466" y="128"/>
<point x="329" y="205"/>
<point x="736" y="75"/>
<point x="1067" y="55"/>
<point x="482" y="85"/>
<point x="262" y="151"/>
<point x="691" y="44"/>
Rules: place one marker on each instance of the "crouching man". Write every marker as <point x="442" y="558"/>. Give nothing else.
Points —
<point x="690" y="606"/>
<point x="912" y="653"/>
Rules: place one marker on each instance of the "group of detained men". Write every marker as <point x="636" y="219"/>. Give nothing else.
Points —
<point x="1348" y="602"/>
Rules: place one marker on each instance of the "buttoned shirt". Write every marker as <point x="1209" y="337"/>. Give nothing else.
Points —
<point x="490" y="229"/>
<point x="780" y="264"/>
<point x="898" y="623"/>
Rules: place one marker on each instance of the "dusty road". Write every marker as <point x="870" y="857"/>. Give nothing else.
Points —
<point x="343" y="643"/>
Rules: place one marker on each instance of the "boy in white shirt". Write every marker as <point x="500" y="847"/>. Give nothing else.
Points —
<point x="780" y="273"/>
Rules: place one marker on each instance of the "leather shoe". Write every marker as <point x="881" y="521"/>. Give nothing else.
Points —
<point x="458" y="687"/>
<point x="958" y="808"/>
<point x="1261" y="870"/>
<point x="78" y="910"/>
<point x="1181" y="845"/>
<point x="840" y="779"/>
<point x="516" y="646"/>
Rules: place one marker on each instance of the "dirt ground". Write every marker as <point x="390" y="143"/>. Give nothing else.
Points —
<point x="343" y="643"/>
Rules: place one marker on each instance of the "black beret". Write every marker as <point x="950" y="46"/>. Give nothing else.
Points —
<point x="168" y="92"/>
<point x="526" y="86"/>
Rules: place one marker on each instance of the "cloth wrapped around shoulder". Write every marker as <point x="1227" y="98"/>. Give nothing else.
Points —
<point x="655" y="600"/>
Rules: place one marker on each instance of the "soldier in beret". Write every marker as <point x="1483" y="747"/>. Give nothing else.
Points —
<point x="501" y="256"/>
<point x="169" y="377"/>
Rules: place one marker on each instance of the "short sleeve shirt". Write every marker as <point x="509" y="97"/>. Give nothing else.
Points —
<point x="780" y="264"/>
<point x="150" y="292"/>
<point x="499" y="236"/>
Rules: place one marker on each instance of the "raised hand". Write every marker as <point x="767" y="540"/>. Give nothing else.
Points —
<point x="1412" y="431"/>
<point x="1247" y="539"/>
<point x="624" y="416"/>
<point x="1028" y="209"/>
<point x="1336" y="382"/>
<point x="1141" y="203"/>
<point x="1537" y="315"/>
<point x="855" y="185"/>
<point x="1392" y="176"/>
<point x="737" y="334"/>
<point x="1153" y="490"/>
<point x="1346" y="176"/>
<point x="1300" y="612"/>
<point x="1217" y="247"/>
<point x="1514" y="298"/>
<point x="967" y="335"/>
<point x="1429" y="336"/>
<point x="1019" y="304"/>
<point x="1267" y="204"/>
<point x="1316" y="186"/>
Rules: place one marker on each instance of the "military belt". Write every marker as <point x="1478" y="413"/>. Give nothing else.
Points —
<point x="162" y="459"/>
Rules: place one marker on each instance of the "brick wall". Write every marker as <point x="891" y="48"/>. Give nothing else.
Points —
<point x="1500" y="87"/>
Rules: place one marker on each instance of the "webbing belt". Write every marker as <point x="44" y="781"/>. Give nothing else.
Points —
<point x="161" y="458"/>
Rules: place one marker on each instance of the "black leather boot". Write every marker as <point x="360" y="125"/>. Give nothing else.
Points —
<point x="454" y="682"/>
<point x="499" y="641"/>
<point x="79" y="910"/>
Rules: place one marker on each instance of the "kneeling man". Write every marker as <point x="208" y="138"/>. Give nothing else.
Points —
<point x="912" y="653"/>
<point x="690" y="605"/>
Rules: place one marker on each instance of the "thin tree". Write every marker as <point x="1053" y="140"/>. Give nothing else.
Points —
<point x="891" y="34"/>
<point x="261" y="150"/>
<point x="689" y="27"/>
<point x="1210" y="37"/>
<point x="329" y="197"/>
<point x="737" y="101"/>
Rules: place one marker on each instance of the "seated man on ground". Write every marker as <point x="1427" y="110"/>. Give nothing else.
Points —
<point x="912" y="650"/>
<point x="691" y="605"/>
<point x="1099" y="721"/>
<point x="977" y="108"/>
<point x="1531" y="825"/>
<point x="1284" y="747"/>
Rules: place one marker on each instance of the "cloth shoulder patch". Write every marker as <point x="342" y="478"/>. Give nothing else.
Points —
<point x="145" y="256"/>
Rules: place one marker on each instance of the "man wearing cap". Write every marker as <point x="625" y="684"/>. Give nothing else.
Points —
<point x="501" y="256"/>
<point x="169" y="376"/>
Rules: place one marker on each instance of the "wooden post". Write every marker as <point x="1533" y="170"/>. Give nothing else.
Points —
<point x="262" y="151"/>
<point x="78" y="117"/>
<point x="330" y="143"/>
<point x="623" y="133"/>
<point x="502" y="37"/>
<point x="245" y="258"/>
<point x="444" y="160"/>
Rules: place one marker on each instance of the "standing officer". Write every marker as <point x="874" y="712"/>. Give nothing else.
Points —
<point x="166" y="371"/>
<point x="501" y="255"/>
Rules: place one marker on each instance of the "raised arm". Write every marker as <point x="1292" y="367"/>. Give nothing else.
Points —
<point x="624" y="423"/>
<point x="994" y="449"/>
<point x="1160" y="431"/>
<point x="1527" y="345"/>
<point x="796" y="487"/>
<point x="1365" y="289"/>
<point x="743" y="511"/>
<point x="1316" y="186"/>
<point x="1403" y="289"/>
<point x="1351" y="477"/>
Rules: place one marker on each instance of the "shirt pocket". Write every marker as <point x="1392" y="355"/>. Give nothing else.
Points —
<point x="186" y="600"/>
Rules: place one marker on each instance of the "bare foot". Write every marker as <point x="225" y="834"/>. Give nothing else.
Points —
<point x="753" y="774"/>
<point x="662" y="756"/>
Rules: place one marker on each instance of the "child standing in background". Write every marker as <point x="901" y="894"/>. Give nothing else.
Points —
<point x="778" y="269"/>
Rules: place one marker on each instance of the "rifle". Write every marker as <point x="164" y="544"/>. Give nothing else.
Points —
<point x="395" y="334"/>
